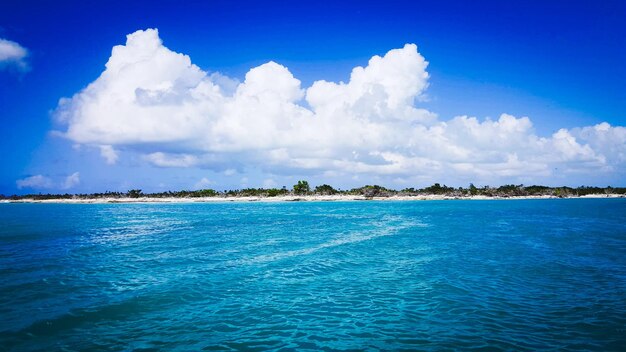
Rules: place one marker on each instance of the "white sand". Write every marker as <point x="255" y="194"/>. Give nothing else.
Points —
<point x="290" y="198"/>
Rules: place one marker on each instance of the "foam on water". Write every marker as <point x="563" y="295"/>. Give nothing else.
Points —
<point x="503" y="275"/>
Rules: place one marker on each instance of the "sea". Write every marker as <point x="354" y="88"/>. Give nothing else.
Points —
<point x="488" y="275"/>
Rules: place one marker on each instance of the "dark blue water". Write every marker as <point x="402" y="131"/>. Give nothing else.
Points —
<point x="433" y="275"/>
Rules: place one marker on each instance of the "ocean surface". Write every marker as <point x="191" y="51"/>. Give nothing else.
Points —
<point x="415" y="275"/>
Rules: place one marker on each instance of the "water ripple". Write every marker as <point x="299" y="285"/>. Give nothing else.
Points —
<point x="510" y="275"/>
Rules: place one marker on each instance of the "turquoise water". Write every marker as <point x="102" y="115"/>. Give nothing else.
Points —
<point x="435" y="275"/>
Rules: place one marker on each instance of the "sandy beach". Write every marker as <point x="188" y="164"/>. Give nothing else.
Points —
<point x="289" y="198"/>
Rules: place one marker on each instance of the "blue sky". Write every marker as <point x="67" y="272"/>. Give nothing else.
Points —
<point x="561" y="64"/>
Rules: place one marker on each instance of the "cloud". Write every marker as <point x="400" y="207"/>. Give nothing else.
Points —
<point x="203" y="183"/>
<point x="13" y="55"/>
<point x="36" y="182"/>
<point x="269" y="183"/>
<point x="40" y="182"/>
<point x="171" y="160"/>
<point x="109" y="154"/>
<point x="71" y="181"/>
<point x="153" y="101"/>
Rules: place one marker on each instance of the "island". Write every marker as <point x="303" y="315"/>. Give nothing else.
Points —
<point x="302" y="191"/>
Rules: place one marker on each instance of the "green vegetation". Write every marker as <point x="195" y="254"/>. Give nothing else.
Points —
<point x="368" y="191"/>
<point x="373" y="191"/>
<point x="134" y="193"/>
<point x="325" y="190"/>
<point x="301" y="188"/>
<point x="273" y="192"/>
<point x="438" y="189"/>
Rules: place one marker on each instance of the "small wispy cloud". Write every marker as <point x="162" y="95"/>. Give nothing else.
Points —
<point x="13" y="55"/>
<point x="109" y="154"/>
<point x="35" y="182"/>
<point x="71" y="181"/>
<point x="203" y="183"/>
<point x="41" y="182"/>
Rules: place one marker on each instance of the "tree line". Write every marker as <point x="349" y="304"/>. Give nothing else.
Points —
<point x="302" y="188"/>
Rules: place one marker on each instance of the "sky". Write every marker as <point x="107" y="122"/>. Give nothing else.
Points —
<point x="110" y="96"/>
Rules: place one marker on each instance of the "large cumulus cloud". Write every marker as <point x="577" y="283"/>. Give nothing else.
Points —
<point x="156" y="102"/>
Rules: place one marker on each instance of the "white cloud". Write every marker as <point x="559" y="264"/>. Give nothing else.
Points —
<point x="71" y="181"/>
<point x="13" y="54"/>
<point x="172" y="160"/>
<point x="203" y="183"/>
<point x="606" y="140"/>
<point x="35" y="182"/>
<point x="153" y="101"/>
<point x="269" y="183"/>
<point x="40" y="182"/>
<point x="109" y="154"/>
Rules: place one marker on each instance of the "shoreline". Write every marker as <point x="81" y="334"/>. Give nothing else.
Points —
<point x="304" y="198"/>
